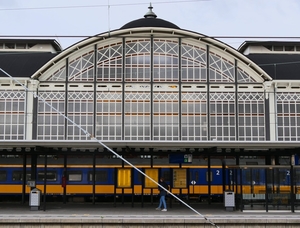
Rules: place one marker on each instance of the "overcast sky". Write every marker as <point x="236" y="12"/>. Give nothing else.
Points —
<point x="250" y="18"/>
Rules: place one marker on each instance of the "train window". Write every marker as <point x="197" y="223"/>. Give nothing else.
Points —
<point x="297" y="177"/>
<point x="252" y="176"/>
<point x="140" y="177"/>
<point x="74" y="176"/>
<point x="257" y="176"/>
<point x="50" y="176"/>
<point x="166" y="175"/>
<point x="196" y="176"/>
<point x="211" y="176"/>
<point x="18" y="176"/>
<point x="247" y="176"/>
<point x="100" y="175"/>
<point x="2" y="175"/>
<point x="282" y="175"/>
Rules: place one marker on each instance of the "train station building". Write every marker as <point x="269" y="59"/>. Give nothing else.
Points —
<point x="174" y="103"/>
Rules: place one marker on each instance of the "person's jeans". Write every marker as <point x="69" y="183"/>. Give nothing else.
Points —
<point x="162" y="201"/>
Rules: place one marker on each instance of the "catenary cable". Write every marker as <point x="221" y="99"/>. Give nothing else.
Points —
<point x="102" y="144"/>
<point x="98" y="6"/>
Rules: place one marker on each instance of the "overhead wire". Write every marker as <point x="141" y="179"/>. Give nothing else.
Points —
<point x="98" y="6"/>
<point x="109" y="5"/>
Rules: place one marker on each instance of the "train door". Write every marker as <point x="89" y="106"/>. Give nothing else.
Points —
<point x="206" y="184"/>
<point x="194" y="183"/>
<point x="216" y="184"/>
<point x="229" y="179"/>
<point x="198" y="184"/>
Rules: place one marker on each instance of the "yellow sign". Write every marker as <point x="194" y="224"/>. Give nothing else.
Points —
<point x="124" y="178"/>
<point x="179" y="178"/>
<point x="153" y="173"/>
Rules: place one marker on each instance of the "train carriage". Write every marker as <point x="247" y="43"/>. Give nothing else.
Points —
<point x="110" y="179"/>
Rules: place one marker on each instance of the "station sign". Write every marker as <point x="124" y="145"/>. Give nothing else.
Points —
<point x="31" y="184"/>
<point x="180" y="158"/>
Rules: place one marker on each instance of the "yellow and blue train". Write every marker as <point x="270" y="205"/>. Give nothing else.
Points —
<point x="112" y="180"/>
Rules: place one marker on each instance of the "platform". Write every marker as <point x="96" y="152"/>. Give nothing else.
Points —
<point x="124" y="215"/>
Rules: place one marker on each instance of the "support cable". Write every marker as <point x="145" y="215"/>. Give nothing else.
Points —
<point x="108" y="15"/>
<point x="102" y="144"/>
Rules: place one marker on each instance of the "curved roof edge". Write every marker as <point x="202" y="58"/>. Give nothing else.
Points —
<point x="152" y="30"/>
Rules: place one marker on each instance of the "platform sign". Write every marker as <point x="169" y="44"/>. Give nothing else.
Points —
<point x="31" y="184"/>
<point x="188" y="158"/>
<point x="179" y="178"/>
<point x="124" y="178"/>
<point x="153" y="173"/>
<point x="180" y="158"/>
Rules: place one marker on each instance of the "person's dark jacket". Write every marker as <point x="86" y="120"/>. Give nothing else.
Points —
<point x="162" y="192"/>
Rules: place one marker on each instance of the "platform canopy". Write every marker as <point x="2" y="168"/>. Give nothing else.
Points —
<point x="176" y="145"/>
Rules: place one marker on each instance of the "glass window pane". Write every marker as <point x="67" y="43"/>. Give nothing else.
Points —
<point x="50" y="176"/>
<point x="74" y="176"/>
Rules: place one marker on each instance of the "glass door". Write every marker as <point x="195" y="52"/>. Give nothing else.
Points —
<point x="253" y="188"/>
<point x="297" y="188"/>
<point x="278" y="188"/>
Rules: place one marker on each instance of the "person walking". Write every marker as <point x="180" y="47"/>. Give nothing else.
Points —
<point x="162" y="194"/>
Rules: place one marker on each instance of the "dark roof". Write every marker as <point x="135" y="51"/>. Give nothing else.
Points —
<point x="53" y="42"/>
<point x="279" y="66"/>
<point x="246" y="44"/>
<point x="23" y="64"/>
<point x="150" y="20"/>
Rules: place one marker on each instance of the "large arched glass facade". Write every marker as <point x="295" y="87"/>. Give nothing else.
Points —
<point x="152" y="87"/>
